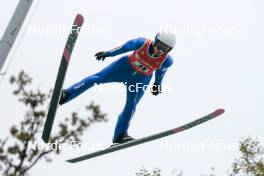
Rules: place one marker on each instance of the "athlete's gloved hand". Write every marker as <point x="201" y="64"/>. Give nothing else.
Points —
<point x="156" y="89"/>
<point x="100" y="56"/>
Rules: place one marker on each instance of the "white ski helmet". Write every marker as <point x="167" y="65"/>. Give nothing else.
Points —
<point x="167" y="38"/>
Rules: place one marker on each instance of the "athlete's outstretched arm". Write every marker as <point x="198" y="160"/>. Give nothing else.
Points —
<point x="131" y="45"/>
<point x="159" y="74"/>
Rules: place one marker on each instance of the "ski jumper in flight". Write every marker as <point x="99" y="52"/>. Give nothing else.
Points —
<point x="134" y="70"/>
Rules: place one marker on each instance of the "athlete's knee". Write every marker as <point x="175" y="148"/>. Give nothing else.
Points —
<point x="91" y="81"/>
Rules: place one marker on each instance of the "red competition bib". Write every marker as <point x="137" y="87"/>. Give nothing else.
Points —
<point x="143" y="63"/>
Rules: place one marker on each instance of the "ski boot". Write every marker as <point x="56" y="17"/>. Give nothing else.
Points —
<point x="122" y="138"/>
<point x="64" y="96"/>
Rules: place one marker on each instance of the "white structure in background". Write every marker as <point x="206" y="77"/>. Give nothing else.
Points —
<point x="13" y="29"/>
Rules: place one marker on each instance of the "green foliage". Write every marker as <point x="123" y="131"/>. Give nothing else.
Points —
<point x="251" y="161"/>
<point x="144" y="172"/>
<point x="15" y="155"/>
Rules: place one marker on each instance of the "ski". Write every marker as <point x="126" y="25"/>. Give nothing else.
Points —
<point x="78" y="22"/>
<point x="149" y="138"/>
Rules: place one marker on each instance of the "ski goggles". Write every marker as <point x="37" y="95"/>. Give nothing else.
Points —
<point x="163" y="48"/>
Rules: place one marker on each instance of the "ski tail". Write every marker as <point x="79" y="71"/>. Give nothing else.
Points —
<point x="149" y="138"/>
<point x="76" y="27"/>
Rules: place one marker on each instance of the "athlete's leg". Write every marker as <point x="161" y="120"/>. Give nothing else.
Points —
<point x="134" y="94"/>
<point x="115" y="72"/>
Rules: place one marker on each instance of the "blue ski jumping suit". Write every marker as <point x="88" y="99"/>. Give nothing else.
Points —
<point x="122" y="71"/>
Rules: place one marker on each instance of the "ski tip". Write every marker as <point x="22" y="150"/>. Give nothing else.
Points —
<point x="72" y="161"/>
<point x="69" y="161"/>
<point x="79" y="20"/>
<point x="218" y="112"/>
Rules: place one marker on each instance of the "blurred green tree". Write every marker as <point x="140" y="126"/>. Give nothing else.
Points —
<point x="144" y="172"/>
<point x="250" y="163"/>
<point x="16" y="157"/>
